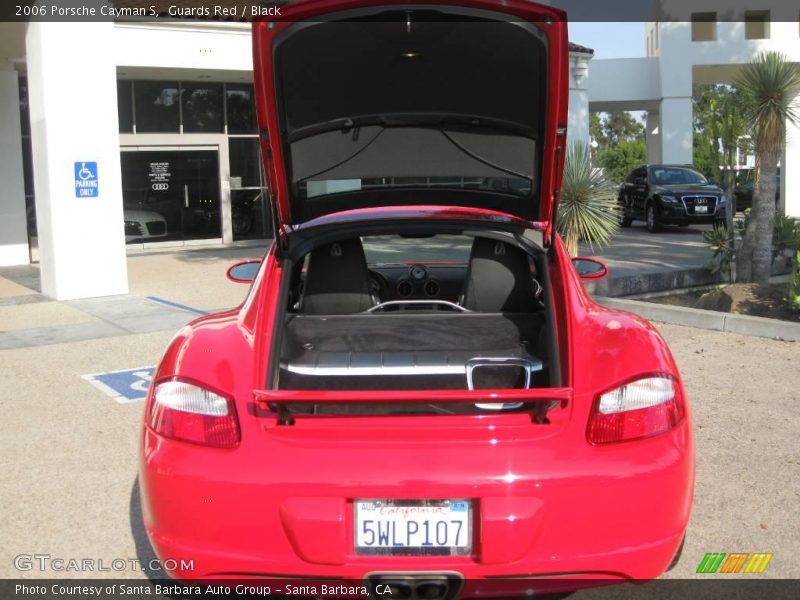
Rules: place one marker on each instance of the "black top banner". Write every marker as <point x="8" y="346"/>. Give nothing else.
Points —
<point x="242" y="11"/>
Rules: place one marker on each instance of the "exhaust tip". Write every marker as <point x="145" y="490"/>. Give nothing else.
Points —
<point x="415" y="585"/>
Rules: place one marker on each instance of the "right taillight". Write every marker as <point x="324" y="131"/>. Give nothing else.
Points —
<point x="641" y="408"/>
<point x="190" y="413"/>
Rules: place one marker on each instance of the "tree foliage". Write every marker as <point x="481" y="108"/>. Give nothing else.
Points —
<point x="719" y="127"/>
<point x="620" y="143"/>
<point x="621" y="158"/>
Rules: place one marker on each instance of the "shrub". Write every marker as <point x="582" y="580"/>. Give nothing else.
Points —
<point x="587" y="208"/>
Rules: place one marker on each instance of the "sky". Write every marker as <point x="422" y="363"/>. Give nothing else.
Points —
<point x="609" y="40"/>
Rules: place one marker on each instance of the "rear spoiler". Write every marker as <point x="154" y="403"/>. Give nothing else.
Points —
<point x="543" y="398"/>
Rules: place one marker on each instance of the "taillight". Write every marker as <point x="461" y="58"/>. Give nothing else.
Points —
<point x="639" y="409"/>
<point x="188" y="412"/>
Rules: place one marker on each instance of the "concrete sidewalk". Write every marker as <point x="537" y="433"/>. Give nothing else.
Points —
<point x="167" y="290"/>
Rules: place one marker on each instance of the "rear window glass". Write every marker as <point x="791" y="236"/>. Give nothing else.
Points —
<point x="393" y="249"/>
<point x="673" y="176"/>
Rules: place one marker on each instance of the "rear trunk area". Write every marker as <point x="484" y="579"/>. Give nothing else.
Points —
<point x="408" y="351"/>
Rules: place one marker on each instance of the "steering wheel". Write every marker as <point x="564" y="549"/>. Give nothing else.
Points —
<point x="444" y="303"/>
<point x="378" y="284"/>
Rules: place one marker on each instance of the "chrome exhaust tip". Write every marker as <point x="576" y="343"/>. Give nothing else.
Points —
<point x="414" y="585"/>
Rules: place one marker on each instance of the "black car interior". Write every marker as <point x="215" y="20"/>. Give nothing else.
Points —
<point x="346" y="329"/>
<point x="337" y="280"/>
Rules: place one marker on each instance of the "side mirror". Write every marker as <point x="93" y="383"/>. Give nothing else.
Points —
<point x="589" y="268"/>
<point x="244" y="271"/>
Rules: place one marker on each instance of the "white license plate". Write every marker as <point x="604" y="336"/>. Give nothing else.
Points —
<point x="700" y="209"/>
<point x="413" y="527"/>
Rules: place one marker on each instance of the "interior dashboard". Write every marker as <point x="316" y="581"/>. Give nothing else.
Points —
<point x="417" y="281"/>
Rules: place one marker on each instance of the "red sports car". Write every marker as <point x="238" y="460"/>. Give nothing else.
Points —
<point x="417" y="391"/>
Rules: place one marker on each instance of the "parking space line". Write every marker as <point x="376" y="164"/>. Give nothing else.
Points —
<point x="196" y="311"/>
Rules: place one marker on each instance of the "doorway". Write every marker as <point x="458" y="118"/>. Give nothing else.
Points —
<point x="171" y="195"/>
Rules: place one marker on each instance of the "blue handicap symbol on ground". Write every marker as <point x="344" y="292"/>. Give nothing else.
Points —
<point x="86" y="185"/>
<point x="124" y="386"/>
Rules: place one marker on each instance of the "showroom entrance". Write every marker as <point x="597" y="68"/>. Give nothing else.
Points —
<point x="171" y="194"/>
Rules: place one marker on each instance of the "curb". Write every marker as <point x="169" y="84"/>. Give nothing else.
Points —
<point x="708" y="319"/>
<point x="642" y="283"/>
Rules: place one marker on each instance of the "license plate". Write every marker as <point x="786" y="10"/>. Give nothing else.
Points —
<point x="415" y="527"/>
<point x="701" y="209"/>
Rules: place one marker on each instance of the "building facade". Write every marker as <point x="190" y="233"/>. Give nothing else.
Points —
<point x="707" y="49"/>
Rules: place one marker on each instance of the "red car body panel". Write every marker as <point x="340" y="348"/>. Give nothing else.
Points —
<point x="548" y="504"/>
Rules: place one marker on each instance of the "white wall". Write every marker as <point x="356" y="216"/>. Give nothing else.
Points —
<point x="578" y="116"/>
<point x="214" y="46"/>
<point x="790" y="174"/>
<point x="13" y="221"/>
<point x="617" y="80"/>
<point x="73" y="106"/>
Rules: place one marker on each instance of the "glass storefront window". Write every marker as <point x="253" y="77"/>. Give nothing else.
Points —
<point x="245" y="162"/>
<point x="240" y="108"/>
<point x="24" y="110"/>
<point x="157" y="106"/>
<point x="249" y="215"/>
<point x="125" y="106"/>
<point x="202" y="107"/>
<point x="170" y="195"/>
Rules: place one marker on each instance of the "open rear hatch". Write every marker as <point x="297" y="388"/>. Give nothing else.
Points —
<point x="412" y="104"/>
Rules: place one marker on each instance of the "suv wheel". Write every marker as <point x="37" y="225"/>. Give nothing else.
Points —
<point x="624" y="219"/>
<point x="653" y="223"/>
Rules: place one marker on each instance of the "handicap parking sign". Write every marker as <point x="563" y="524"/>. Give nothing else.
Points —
<point x="86" y="185"/>
<point x="130" y="385"/>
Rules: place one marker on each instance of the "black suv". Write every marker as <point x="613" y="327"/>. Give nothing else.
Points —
<point x="670" y="195"/>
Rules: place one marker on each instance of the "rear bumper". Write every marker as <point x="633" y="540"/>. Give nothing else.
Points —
<point x="679" y="216"/>
<point x="552" y="509"/>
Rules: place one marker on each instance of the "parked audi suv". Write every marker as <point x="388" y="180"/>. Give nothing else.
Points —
<point x="670" y="195"/>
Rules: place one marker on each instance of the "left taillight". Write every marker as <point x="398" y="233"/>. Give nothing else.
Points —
<point x="190" y="413"/>
<point x="639" y="409"/>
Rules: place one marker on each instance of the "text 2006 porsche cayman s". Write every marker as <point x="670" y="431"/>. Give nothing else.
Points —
<point x="417" y="386"/>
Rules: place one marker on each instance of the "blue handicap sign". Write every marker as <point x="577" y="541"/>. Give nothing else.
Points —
<point x="130" y="385"/>
<point x="86" y="185"/>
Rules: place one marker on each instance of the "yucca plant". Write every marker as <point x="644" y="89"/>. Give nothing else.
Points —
<point x="769" y="87"/>
<point x="721" y="247"/>
<point x="785" y="235"/>
<point x="587" y="209"/>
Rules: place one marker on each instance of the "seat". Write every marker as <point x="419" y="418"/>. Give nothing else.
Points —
<point x="499" y="279"/>
<point x="337" y="280"/>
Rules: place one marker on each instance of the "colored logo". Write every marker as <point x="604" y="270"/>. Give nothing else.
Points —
<point x="735" y="562"/>
<point x="86" y="185"/>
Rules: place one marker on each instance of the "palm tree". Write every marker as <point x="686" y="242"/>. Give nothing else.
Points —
<point x="587" y="208"/>
<point x="769" y="87"/>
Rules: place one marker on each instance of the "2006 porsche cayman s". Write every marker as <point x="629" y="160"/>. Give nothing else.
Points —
<point x="417" y="387"/>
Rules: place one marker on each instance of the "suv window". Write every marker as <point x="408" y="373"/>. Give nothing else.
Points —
<point x="640" y="172"/>
<point x="675" y="176"/>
